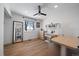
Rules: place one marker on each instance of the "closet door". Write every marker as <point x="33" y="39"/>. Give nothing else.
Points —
<point x="17" y="31"/>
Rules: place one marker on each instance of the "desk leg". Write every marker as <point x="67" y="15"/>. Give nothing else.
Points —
<point x="63" y="50"/>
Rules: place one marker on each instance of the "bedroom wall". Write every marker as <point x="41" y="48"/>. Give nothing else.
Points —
<point x="7" y="28"/>
<point x="26" y="35"/>
<point x="1" y="29"/>
<point x="67" y="15"/>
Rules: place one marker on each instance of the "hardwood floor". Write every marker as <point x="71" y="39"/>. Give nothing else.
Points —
<point x="35" y="47"/>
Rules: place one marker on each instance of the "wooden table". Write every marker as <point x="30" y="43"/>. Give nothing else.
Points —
<point x="65" y="41"/>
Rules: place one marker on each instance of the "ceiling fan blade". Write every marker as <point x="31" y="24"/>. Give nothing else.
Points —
<point x="39" y="9"/>
<point x="43" y="14"/>
<point x="39" y="12"/>
<point x="35" y="14"/>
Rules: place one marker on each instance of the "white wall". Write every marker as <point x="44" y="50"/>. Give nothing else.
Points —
<point x="1" y="28"/>
<point x="8" y="28"/>
<point x="67" y="15"/>
<point x="26" y="35"/>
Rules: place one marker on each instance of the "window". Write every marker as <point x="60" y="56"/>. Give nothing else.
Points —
<point x="29" y="25"/>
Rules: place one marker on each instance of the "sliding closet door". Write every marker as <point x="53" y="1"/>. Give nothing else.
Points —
<point x="17" y="31"/>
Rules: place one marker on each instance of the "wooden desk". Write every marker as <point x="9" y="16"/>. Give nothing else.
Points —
<point x="65" y="41"/>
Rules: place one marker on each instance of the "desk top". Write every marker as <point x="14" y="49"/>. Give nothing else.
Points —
<point x="66" y="41"/>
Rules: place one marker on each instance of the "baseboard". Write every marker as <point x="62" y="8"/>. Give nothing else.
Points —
<point x="8" y="44"/>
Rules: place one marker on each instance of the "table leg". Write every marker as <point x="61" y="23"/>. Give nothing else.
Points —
<point x="63" y="50"/>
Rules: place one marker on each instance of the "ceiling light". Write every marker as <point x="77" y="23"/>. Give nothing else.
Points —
<point x="55" y="6"/>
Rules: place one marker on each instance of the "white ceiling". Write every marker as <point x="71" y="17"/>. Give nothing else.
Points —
<point x="29" y="9"/>
<point x="25" y="9"/>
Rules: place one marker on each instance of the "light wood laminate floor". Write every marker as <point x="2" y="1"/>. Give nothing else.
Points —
<point x="35" y="47"/>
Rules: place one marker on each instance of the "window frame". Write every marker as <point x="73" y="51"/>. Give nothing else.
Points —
<point x="26" y="25"/>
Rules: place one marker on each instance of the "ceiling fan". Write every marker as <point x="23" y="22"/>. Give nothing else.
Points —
<point x="39" y="12"/>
